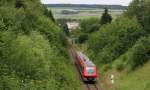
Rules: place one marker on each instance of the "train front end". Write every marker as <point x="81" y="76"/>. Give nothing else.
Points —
<point x="90" y="73"/>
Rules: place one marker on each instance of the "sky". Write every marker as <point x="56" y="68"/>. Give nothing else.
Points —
<point x="108" y="2"/>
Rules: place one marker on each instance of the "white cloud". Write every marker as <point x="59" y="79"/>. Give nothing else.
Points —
<point x="112" y="2"/>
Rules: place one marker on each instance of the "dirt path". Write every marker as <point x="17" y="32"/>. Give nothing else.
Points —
<point x="85" y="85"/>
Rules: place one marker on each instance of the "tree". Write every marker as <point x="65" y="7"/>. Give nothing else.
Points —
<point x="89" y="25"/>
<point x="30" y="44"/>
<point x="94" y="28"/>
<point x="66" y="29"/>
<point x="141" y="10"/>
<point x="106" y="17"/>
<point x="114" y="39"/>
<point x="136" y="8"/>
<point x="19" y="3"/>
<point x="83" y="37"/>
<point x="140" y="52"/>
<point x="48" y="13"/>
<point x="51" y="15"/>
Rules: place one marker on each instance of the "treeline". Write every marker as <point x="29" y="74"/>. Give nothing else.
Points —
<point x="33" y="53"/>
<point x="82" y="6"/>
<point x="122" y="43"/>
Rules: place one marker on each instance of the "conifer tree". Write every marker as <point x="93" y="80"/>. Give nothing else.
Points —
<point x="106" y="17"/>
<point x="51" y="15"/>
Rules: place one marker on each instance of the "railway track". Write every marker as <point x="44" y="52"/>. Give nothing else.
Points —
<point x="87" y="85"/>
<point x="91" y="87"/>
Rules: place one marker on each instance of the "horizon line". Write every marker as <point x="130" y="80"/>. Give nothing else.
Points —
<point x="82" y="4"/>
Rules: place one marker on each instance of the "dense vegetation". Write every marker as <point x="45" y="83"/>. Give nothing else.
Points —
<point x="111" y="40"/>
<point x="91" y="25"/>
<point x="87" y="26"/>
<point x="106" y="17"/>
<point x="123" y="45"/>
<point x="33" y="53"/>
<point x="127" y="32"/>
<point x="114" y="40"/>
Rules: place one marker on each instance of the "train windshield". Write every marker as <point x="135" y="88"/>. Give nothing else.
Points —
<point x="90" y="70"/>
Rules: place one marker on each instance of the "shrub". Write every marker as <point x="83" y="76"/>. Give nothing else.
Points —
<point x="114" y="39"/>
<point x="29" y="57"/>
<point x="88" y="24"/>
<point x="136" y="56"/>
<point x="141" y="10"/>
<point x="82" y="38"/>
<point x="140" y="52"/>
<point x="30" y="44"/>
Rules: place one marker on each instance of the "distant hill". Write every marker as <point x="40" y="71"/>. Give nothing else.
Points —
<point x="88" y="6"/>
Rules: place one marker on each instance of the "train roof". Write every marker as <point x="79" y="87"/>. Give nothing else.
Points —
<point x="87" y="61"/>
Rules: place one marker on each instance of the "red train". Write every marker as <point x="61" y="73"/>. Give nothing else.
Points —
<point x="87" y="68"/>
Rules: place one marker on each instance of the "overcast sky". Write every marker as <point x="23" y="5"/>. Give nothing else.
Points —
<point x="109" y="2"/>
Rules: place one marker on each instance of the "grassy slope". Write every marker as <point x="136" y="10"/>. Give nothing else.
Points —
<point x="137" y="80"/>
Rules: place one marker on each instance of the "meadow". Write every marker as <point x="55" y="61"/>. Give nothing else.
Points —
<point x="82" y="13"/>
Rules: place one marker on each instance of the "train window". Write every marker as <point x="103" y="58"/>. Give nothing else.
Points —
<point x="90" y="70"/>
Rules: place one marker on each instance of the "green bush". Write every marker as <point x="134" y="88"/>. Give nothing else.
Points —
<point x="88" y="24"/>
<point x="114" y="39"/>
<point x="140" y="52"/>
<point x="136" y="56"/>
<point x="9" y="83"/>
<point x="82" y="38"/>
<point x="30" y="44"/>
<point x="29" y="57"/>
<point x="141" y="10"/>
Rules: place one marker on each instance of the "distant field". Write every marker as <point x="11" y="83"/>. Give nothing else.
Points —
<point x="82" y="13"/>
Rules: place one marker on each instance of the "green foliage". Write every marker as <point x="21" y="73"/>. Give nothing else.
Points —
<point x="49" y="14"/>
<point x="140" y="52"/>
<point x="9" y="3"/>
<point x="135" y="56"/>
<point x="30" y="44"/>
<point x="9" y="83"/>
<point x="66" y="30"/>
<point x="106" y="17"/>
<point x="19" y="3"/>
<point x="82" y="38"/>
<point x="114" y="39"/>
<point x="141" y="10"/>
<point x="89" y="25"/>
<point x="124" y="44"/>
<point x="94" y="27"/>
<point x="29" y="57"/>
